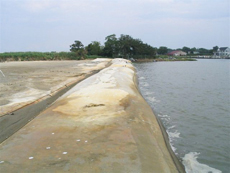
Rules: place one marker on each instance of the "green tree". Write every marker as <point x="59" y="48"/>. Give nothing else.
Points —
<point x="215" y="48"/>
<point x="144" y="50"/>
<point x="204" y="51"/>
<point x="111" y="46"/>
<point x="78" y="49"/>
<point x="193" y="50"/>
<point x="126" y="46"/>
<point x="130" y="47"/>
<point x="162" y="50"/>
<point x="94" y="48"/>
<point x="186" y="49"/>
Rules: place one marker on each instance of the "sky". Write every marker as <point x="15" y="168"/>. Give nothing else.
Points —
<point x="53" y="25"/>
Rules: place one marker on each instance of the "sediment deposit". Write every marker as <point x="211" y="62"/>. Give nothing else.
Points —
<point x="102" y="124"/>
<point x="28" y="88"/>
<point x="22" y="83"/>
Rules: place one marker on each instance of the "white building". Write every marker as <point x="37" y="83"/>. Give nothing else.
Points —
<point x="222" y="52"/>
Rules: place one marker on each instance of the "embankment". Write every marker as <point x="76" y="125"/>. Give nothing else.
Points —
<point x="102" y="124"/>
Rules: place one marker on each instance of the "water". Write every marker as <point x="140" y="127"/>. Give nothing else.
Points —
<point x="192" y="100"/>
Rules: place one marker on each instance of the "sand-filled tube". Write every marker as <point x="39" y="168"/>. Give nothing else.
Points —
<point x="103" y="124"/>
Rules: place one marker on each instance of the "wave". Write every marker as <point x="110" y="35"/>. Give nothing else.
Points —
<point x="141" y="78"/>
<point x="172" y="127"/>
<point x="172" y="137"/>
<point x="152" y="99"/>
<point x="193" y="166"/>
<point x="144" y="84"/>
<point x="146" y="93"/>
<point x="164" y="118"/>
<point x="171" y="134"/>
<point x="189" y="160"/>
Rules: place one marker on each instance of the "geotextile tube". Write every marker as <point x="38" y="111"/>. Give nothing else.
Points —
<point x="102" y="124"/>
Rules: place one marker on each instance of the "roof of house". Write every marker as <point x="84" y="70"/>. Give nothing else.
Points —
<point x="223" y="48"/>
<point x="175" y="52"/>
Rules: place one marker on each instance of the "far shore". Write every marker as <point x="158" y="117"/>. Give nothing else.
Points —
<point x="164" y="59"/>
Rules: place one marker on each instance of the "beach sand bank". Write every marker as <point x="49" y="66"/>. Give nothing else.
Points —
<point x="27" y="88"/>
<point x="22" y="83"/>
<point x="102" y="124"/>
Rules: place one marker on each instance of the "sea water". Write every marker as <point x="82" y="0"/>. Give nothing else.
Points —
<point x="192" y="99"/>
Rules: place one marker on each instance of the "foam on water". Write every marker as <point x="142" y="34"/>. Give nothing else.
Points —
<point x="172" y="134"/>
<point x="165" y="118"/>
<point x="172" y="127"/>
<point x="147" y="93"/>
<point x="141" y="78"/>
<point x="173" y="148"/>
<point x="151" y="99"/>
<point x="146" y="84"/>
<point x="172" y="137"/>
<point x="193" y="166"/>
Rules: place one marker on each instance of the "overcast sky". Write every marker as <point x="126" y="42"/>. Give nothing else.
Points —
<point x="52" y="25"/>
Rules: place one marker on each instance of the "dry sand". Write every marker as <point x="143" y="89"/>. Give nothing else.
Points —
<point x="27" y="88"/>
<point x="25" y="82"/>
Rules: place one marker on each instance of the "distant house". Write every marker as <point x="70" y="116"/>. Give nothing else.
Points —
<point x="177" y="53"/>
<point x="222" y="52"/>
<point x="196" y="52"/>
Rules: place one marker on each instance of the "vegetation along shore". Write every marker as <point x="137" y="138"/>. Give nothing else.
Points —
<point x="124" y="46"/>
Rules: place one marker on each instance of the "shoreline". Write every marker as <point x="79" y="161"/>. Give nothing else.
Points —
<point x="163" y="60"/>
<point x="120" y="113"/>
<point x="176" y="160"/>
<point x="178" y="163"/>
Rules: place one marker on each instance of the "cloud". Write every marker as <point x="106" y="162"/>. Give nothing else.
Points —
<point x="36" y="5"/>
<point x="131" y="9"/>
<point x="58" y="5"/>
<point x="56" y="23"/>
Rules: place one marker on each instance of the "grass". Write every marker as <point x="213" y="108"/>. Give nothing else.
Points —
<point x="36" y="56"/>
<point x="42" y="56"/>
<point x="45" y="56"/>
<point x="174" y="58"/>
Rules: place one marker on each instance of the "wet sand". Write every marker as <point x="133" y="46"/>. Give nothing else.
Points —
<point x="102" y="124"/>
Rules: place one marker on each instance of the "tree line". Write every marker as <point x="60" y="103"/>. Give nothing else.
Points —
<point x="190" y="51"/>
<point x="124" y="47"/>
